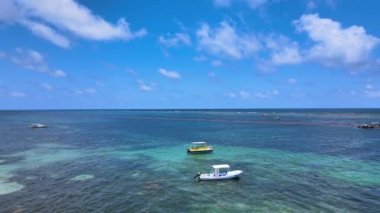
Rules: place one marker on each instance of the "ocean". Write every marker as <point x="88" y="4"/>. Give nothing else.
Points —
<point x="310" y="160"/>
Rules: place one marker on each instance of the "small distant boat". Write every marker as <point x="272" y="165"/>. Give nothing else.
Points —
<point x="199" y="147"/>
<point x="220" y="172"/>
<point x="369" y="126"/>
<point x="37" y="126"/>
<point x="365" y="126"/>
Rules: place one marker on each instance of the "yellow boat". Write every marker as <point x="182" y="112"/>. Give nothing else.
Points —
<point x="199" y="147"/>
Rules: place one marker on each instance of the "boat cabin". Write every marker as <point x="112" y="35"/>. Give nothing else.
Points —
<point x="220" y="170"/>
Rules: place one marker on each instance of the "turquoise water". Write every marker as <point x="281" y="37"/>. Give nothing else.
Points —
<point x="136" y="161"/>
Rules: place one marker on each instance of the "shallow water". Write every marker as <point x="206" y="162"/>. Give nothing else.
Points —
<point x="120" y="160"/>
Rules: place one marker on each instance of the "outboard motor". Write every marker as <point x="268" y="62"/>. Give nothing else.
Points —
<point x="197" y="176"/>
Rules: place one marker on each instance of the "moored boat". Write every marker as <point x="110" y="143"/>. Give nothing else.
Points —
<point x="37" y="126"/>
<point x="369" y="126"/>
<point x="199" y="147"/>
<point x="220" y="172"/>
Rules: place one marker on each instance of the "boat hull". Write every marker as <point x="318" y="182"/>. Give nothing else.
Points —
<point x="231" y="175"/>
<point x="37" y="126"/>
<point x="198" y="151"/>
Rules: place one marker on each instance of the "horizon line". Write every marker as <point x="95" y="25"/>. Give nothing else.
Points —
<point x="184" y="109"/>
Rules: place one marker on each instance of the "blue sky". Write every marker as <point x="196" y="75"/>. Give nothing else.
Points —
<point x="189" y="54"/>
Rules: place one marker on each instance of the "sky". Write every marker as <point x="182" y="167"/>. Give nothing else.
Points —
<point x="148" y="54"/>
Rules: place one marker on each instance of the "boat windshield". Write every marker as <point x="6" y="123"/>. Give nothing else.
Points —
<point x="220" y="172"/>
<point x="223" y="172"/>
<point x="198" y="145"/>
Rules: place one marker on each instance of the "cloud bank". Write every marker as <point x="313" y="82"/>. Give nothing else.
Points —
<point x="45" y="18"/>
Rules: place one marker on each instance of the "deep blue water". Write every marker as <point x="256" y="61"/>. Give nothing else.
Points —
<point x="136" y="160"/>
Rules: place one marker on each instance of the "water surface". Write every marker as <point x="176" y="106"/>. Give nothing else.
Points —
<point x="136" y="161"/>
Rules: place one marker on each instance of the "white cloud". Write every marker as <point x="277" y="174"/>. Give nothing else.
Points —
<point x="334" y="45"/>
<point x="216" y="63"/>
<point x="58" y="73"/>
<point x="131" y="71"/>
<point x="372" y="93"/>
<point x="292" y="81"/>
<point x="274" y="92"/>
<point x="200" y="58"/>
<point x="169" y="74"/>
<point x="47" y="33"/>
<point x="311" y="5"/>
<point x="67" y="16"/>
<point x="79" y="20"/>
<point x="17" y="94"/>
<point x="288" y="55"/>
<point x="47" y="86"/>
<point x="225" y="41"/>
<point x="298" y="95"/>
<point x="331" y="3"/>
<point x="29" y="59"/>
<point x="267" y="94"/>
<point x="211" y="75"/>
<point x="283" y="50"/>
<point x="145" y="87"/>
<point x="253" y="4"/>
<point x="90" y="91"/>
<point x="244" y="94"/>
<point x="78" y="92"/>
<point x="175" y="40"/>
<point x="3" y="55"/>
<point x="230" y="94"/>
<point x="369" y="86"/>
<point x="222" y="3"/>
<point x="99" y="83"/>
<point x="87" y="91"/>
<point x="260" y="95"/>
<point x="33" y="60"/>
<point x="9" y="11"/>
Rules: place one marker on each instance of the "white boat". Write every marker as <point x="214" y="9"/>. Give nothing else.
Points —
<point x="220" y="172"/>
<point x="37" y="126"/>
